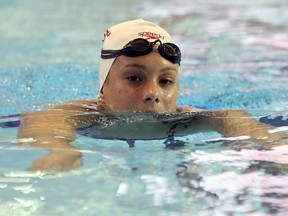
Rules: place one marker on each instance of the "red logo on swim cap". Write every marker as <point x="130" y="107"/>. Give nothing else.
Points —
<point x="150" y="35"/>
<point x="106" y="34"/>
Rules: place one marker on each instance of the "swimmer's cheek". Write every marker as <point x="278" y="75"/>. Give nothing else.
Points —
<point x="57" y="162"/>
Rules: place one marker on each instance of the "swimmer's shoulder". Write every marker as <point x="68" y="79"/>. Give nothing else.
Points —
<point x="88" y="105"/>
<point x="215" y="113"/>
<point x="188" y="109"/>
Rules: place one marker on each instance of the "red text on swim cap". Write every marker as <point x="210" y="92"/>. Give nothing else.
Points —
<point x="150" y="35"/>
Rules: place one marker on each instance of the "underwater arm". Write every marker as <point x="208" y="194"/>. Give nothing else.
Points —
<point x="235" y="123"/>
<point x="54" y="129"/>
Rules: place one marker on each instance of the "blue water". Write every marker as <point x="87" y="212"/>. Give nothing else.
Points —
<point x="235" y="56"/>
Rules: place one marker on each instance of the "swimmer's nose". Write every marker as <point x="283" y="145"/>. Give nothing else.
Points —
<point x="152" y="99"/>
<point x="151" y="94"/>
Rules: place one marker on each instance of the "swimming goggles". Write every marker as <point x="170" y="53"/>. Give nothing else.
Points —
<point x="140" y="47"/>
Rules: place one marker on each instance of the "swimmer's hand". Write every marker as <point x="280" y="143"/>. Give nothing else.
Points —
<point x="240" y="124"/>
<point x="57" y="160"/>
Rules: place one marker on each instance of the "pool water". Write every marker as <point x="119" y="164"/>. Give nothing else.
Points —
<point x="235" y="56"/>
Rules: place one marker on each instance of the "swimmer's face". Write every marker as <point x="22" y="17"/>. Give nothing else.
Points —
<point x="145" y="83"/>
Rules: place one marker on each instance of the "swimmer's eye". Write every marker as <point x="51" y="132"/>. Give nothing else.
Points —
<point x="134" y="78"/>
<point x="166" y="81"/>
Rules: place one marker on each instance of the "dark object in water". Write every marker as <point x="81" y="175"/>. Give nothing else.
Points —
<point x="278" y="121"/>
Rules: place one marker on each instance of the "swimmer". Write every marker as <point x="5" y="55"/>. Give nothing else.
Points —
<point x="139" y="69"/>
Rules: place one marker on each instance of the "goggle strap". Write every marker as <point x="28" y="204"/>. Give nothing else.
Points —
<point x="108" y="54"/>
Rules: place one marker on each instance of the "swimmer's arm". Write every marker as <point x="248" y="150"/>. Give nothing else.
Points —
<point x="51" y="128"/>
<point x="58" y="122"/>
<point x="235" y="123"/>
<point x="54" y="129"/>
<point x="48" y="129"/>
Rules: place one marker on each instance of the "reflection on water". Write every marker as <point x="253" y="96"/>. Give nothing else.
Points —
<point x="234" y="56"/>
<point x="203" y="173"/>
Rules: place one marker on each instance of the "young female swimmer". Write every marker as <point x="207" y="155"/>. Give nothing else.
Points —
<point x="139" y="70"/>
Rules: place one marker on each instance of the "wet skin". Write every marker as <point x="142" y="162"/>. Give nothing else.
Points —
<point x="145" y="83"/>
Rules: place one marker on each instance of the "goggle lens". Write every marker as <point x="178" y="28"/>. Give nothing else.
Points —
<point x="140" y="46"/>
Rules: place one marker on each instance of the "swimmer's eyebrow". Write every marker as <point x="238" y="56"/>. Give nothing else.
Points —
<point x="168" y="68"/>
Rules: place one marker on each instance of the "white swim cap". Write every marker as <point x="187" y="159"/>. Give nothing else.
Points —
<point x="117" y="36"/>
